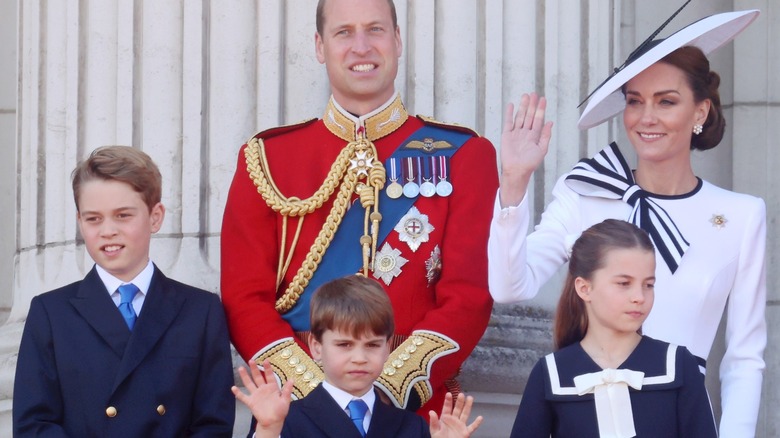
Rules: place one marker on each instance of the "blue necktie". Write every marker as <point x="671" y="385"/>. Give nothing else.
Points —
<point x="128" y="291"/>
<point x="357" y="411"/>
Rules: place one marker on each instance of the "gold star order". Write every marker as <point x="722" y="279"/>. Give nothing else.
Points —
<point x="718" y="221"/>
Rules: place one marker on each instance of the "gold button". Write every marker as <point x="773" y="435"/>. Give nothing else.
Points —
<point x="161" y="409"/>
<point x="111" y="412"/>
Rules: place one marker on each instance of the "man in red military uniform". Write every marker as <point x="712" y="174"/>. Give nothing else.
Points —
<point x="367" y="188"/>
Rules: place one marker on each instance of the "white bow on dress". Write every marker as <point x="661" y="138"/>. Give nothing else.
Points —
<point x="613" y="404"/>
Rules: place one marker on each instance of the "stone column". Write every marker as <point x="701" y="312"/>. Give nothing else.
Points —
<point x="99" y="73"/>
<point x="189" y="82"/>
<point x="756" y="158"/>
<point x="8" y="167"/>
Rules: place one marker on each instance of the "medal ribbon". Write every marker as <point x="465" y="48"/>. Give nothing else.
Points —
<point x="411" y="174"/>
<point x="444" y="163"/>
<point x="393" y="165"/>
<point x="341" y="258"/>
<point x="426" y="168"/>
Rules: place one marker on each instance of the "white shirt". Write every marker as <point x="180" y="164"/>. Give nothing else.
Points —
<point x="724" y="269"/>
<point x="141" y="281"/>
<point x="343" y="398"/>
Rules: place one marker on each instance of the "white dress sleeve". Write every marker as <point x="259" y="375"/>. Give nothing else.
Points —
<point x="518" y="264"/>
<point x="741" y="370"/>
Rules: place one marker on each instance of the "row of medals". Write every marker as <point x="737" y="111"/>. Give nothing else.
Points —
<point x="411" y="189"/>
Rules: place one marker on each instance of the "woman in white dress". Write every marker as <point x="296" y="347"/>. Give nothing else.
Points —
<point x="710" y="242"/>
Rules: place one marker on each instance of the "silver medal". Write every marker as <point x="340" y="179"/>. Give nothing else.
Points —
<point x="427" y="189"/>
<point x="444" y="188"/>
<point x="411" y="190"/>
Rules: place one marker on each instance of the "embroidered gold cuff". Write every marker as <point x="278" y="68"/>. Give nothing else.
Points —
<point x="409" y="366"/>
<point x="289" y="361"/>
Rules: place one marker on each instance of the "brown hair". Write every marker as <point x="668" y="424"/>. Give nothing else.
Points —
<point x="124" y="164"/>
<point x="354" y="304"/>
<point x="704" y="83"/>
<point x="587" y="256"/>
<point x="321" y="15"/>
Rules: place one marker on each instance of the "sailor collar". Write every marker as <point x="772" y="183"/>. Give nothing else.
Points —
<point x="376" y="124"/>
<point x="657" y="360"/>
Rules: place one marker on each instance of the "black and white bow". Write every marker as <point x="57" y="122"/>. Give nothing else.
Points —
<point x="607" y="175"/>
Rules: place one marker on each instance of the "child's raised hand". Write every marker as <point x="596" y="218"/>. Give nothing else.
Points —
<point x="268" y="403"/>
<point x="454" y="418"/>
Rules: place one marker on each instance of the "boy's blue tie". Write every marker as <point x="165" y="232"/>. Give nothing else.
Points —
<point x="357" y="411"/>
<point x="128" y="291"/>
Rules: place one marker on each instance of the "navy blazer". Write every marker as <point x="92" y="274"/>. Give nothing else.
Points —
<point x="82" y="373"/>
<point x="318" y="415"/>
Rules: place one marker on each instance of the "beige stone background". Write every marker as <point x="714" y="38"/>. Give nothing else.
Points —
<point x="189" y="81"/>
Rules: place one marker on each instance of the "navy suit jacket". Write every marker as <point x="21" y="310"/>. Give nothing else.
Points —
<point x="318" y="415"/>
<point x="78" y="364"/>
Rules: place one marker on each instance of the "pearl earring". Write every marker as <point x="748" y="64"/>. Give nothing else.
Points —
<point x="697" y="129"/>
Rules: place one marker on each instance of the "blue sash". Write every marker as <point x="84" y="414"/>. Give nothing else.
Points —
<point x="345" y="255"/>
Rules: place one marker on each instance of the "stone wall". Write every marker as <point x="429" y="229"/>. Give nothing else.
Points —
<point x="188" y="82"/>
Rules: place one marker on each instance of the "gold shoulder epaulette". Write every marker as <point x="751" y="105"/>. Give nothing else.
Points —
<point x="447" y="125"/>
<point x="409" y="366"/>
<point x="272" y="132"/>
<point x="289" y="361"/>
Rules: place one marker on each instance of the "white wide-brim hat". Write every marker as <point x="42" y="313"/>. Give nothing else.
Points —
<point x="707" y="34"/>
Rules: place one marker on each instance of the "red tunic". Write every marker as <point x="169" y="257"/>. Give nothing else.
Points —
<point x="458" y="305"/>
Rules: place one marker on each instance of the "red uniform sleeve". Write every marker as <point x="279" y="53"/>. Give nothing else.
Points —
<point x="249" y="256"/>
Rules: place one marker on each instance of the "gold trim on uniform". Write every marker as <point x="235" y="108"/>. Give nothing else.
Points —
<point x="431" y="121"/>
<point x="409" y="366"/>
<point x="289" y="361"/>
<point x="356" y="170"/>
<point x="428" y="145"/>
<point x="376" y="125"/>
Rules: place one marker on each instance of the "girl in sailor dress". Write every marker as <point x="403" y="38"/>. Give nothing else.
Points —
<point x="710" y="242"/>
<point x="606" y="379"/>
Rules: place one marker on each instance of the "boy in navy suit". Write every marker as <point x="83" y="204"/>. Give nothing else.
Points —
<point x="126" y="352"/>
<point x="351" y="326"/>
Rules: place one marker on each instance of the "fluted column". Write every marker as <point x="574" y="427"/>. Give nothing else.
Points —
<point x="189" y="81"/>
<point x="755" y="130"/>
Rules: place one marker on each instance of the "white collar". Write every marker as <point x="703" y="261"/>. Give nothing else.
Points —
<point x="141" y="281"/>
<point x="343" y="398"/>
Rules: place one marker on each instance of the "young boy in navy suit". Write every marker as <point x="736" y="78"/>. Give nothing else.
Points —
<point x="351" y="326"/>
<point x="125" y="352"/>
